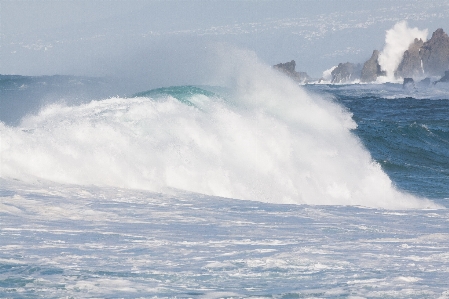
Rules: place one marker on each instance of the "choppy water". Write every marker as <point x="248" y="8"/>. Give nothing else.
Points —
<point x="259" y="189"/>
<point x="111" y="243"/>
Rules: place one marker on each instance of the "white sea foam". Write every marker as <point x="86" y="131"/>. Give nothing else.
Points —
<point x="268" y="141"/>
<point x="397" y="41"/>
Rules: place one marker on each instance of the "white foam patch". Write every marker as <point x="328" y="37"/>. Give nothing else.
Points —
<point x="408" y="279"/>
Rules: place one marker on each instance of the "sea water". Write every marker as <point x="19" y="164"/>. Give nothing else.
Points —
<point x="254" y="188"/>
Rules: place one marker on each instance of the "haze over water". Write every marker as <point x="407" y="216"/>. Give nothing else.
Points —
<point x="163" y="43"/>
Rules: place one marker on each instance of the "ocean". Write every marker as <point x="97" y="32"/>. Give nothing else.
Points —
<point x="249" y="187"/>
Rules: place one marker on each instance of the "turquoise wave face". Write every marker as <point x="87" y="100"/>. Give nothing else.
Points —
<point x="183" y="94"/>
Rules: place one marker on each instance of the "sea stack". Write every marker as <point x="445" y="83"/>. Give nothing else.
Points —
<point x="435" y="54"/>
<point x="410" y="66"/>
<point x="408" y="83"/>
<point x="288" y="68"/>
<point x="421" y="59"/>
<point x="445" y="78"/>
<point x="346" y="72"/>
<point x="371" y="69"/>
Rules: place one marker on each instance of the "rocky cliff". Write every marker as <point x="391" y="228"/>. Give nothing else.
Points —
<point x="430" y="58"/>
<point x="420" y="60"/>
<point x="288" y="69"/>
<point x="411" y="65"/>
<point x="346" y="72"/>
<point x="435" y="54"/>
<point x="371" y="68"/>
<point x="445" y="78"/>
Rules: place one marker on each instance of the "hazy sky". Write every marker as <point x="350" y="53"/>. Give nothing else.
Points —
<point x="169" y="42"/>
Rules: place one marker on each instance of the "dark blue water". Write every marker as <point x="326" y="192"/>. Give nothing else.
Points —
<point x="407" y="133"/>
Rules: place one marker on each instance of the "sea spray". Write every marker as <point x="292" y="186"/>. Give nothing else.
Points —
<point x="397" y="41"/>
<point x="266" y="140"/>
<point x="327" y="75"/>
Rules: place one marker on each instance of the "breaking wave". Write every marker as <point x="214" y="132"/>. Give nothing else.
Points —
<point x="261" y="138"/>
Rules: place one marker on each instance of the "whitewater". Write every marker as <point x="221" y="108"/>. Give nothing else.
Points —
<point x="249" y="186"/>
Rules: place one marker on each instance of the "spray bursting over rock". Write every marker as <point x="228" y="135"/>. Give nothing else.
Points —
<point x="397" y="41"/>
<point x="407" y="54"/>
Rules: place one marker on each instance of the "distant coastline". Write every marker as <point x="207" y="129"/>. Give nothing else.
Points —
<point x="422" y="61"/>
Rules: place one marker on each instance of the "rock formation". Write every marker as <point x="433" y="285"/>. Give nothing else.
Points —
<point x="424" y="82"/>
<point x="408" y="83"/>
<point x="435" y="54"/>
<point x="371" y="69"/>
<point x="410" y="65"/>
<point x="346" y="72"/>
<point x="430" y="58"/>
<point x="421" y="59"/>
<point x="445" y="78"/>
<point x="288" y="68"/>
